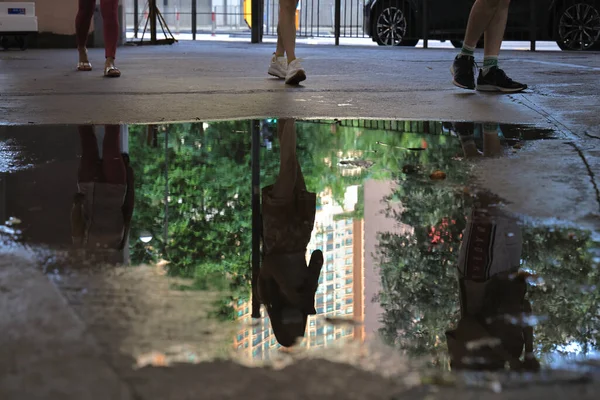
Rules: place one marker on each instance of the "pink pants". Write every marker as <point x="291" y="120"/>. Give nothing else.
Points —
<point x="109" y="9"/>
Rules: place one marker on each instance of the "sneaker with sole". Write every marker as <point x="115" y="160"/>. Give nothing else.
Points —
<point x="463" y="72"/>
<point x="497" y="81"/>
<point x="278" y="67"/>
<point x="295" y="73"/>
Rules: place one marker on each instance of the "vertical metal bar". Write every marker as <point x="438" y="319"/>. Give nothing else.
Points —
<point x="152" y="16"/>
<point x="274" y="10"/>
<point x="351" y="19"/>
<point x="136" y="22"/>
<point x="262" y="19"/>
<point x="533" y="25"/>
<point x="267" y="21"/>
<point x="318" y="18"/>
<point x="305" y="19"/>
<point x="166" y="221"/>
<point x="338" y="7"/>
<point x="345" y="16"/>
<point x="425" y="24"/>
<point x="312" y="18"/>
<point x="256" y="218"/>
<point x="256" y="19"/>
<point x="194" y="19"/>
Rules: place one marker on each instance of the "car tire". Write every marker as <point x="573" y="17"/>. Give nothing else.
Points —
<point x="22" y="42"/>
<point x="577" y="26"/>
<point x="391" y="24"/>
<point x="5" y="42"/>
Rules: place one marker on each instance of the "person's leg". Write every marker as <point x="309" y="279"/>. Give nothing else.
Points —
<point x="279" y="50"/>
<point x="491" y="77"/>
<point x="110" y="20"/>
<point x="278" y="66"/>
<point x="85" y="13"/>
<point x="481" y="15"/>
<point x="494" y="34"/>
<point x="287" y="27"/>
<point x="112" y="163"/>
<point x="492" y="147"/>
<point x="287" y="33"/>
<point x="288" y="164"/>
<point x="90" y="158"/>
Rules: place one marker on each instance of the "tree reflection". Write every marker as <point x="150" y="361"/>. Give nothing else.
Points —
<point x="419" y="292"/>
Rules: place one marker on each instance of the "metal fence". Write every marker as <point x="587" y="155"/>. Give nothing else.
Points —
<point x="573" y="24"/>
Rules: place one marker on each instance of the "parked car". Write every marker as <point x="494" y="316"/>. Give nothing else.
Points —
<point x="573" y="24"/>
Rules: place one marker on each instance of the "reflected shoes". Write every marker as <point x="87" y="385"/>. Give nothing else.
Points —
<point x="295" y="73"/>
<point x="278" y="67"/>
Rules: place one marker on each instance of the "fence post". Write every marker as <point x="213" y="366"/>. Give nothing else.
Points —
<point x="136" y="11"/>
<point x="533" y="26"/>
<point x="338" y="21"/>
<point x="425" y="24"/>
<point x="194" y="19"/>
<point x="256" y="218"/>
<point x="213" y="18"/>
<point x="256" y="19"/>
<point x="152" y="15"/>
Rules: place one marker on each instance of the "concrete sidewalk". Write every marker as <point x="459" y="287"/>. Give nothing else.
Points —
<point x="196" y="80"/>
<point x="53" y="347"/>
<point x="208" y="81"/>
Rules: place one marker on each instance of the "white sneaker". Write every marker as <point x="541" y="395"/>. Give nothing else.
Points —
<point x="295" y="73"/>
<point x="278" y="67"/>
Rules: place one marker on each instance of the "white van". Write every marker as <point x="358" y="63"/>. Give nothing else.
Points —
<point x="17" y="22"/>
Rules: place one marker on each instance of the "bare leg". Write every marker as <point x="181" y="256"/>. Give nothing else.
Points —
<point x="491" y="141"/>
<point x="482" y="13"/>
<point x="287" y="27"/>
<point x="288" y="163"/>
<point x="112" y="163"/>
<point x="89" y="164"/>
<point x="279" y="51"/>
<point x="495" y="30"/>
<point x="83" y="21"/>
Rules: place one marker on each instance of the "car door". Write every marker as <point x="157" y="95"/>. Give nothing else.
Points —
<point x="448" y="18"/>
<point x="519" y="21"/>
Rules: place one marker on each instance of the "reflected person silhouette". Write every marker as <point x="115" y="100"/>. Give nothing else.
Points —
<point x="490" y="133"/>
<point x="103" y="205"/>
<point x="286" y="284"/>
<point x="493" y="328"/>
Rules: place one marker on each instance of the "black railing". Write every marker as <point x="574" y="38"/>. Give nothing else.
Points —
<point x="573" y="24"/>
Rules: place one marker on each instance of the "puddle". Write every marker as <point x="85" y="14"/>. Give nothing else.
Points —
<point x="154" y="249"/>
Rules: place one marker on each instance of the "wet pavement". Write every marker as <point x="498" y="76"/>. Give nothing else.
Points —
<point x="425" y="278"/>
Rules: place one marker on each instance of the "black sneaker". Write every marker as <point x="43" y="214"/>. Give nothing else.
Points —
<point x="497" y="81"/>
<point x="463" y="72"/>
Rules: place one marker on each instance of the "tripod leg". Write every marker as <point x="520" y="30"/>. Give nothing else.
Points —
<point x="163" y="25"/>
<point x="145" y="29"/>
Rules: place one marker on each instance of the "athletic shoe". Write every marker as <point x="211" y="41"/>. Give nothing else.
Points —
<point x="295" y="73"/>
<point x="278" y="67"/>
<point x="463" y="72"/>
<point x="496" y="81"/>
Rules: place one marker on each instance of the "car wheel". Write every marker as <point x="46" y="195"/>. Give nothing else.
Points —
<point x="390" y="26"/>
<point x="22" y="42"/>
<point x="577" y="26"/>
<point x="5" y="42"/>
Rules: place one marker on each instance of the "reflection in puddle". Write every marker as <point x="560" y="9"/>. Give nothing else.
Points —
<point x="371" y="229"/>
